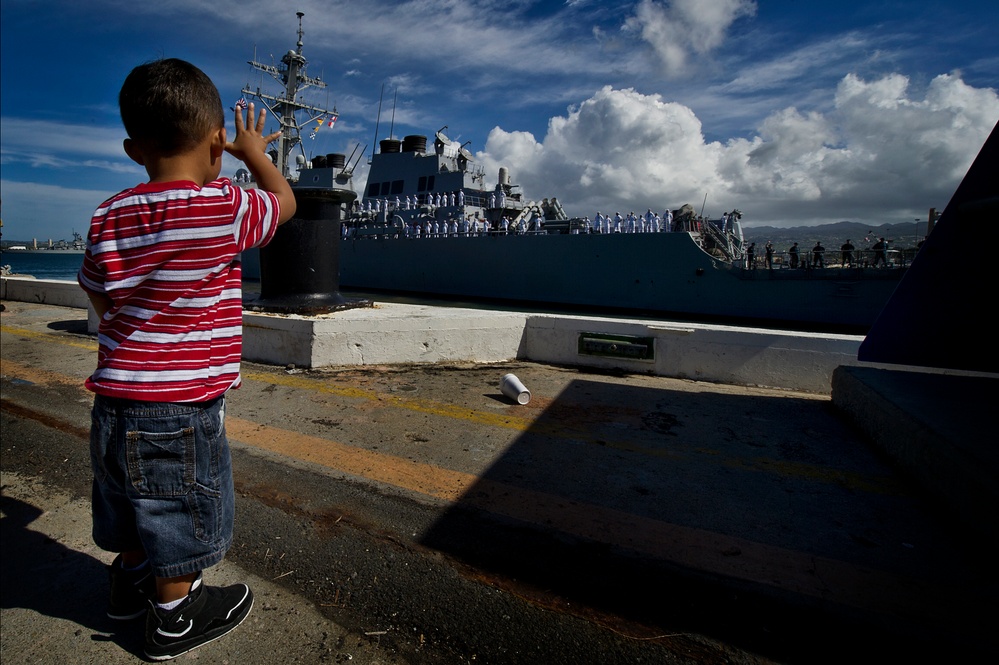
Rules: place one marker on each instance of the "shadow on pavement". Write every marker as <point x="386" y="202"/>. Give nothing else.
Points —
<point x="42" y="575"/>
<point x="723" y="518"/>
<point x="75" y="326"/>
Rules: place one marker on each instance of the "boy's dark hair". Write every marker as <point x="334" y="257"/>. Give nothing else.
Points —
<point x="169" y="106"/>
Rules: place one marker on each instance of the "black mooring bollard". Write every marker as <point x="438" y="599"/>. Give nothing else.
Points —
<point x="300" y="268"/>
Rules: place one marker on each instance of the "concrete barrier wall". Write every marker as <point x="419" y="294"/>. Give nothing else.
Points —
<point x="43" y="291"/>
<point x="393" y="333"/>
<point x="722" y="354"/>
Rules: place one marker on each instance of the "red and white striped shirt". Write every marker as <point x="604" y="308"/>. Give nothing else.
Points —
<point x="167" y="254"/>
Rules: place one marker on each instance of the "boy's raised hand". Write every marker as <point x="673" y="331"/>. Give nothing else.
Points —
<point x="250" y="135"/>
<point x="250" y="146"/>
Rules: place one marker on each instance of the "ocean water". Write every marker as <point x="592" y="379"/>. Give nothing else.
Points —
<point x="43" y="265"/>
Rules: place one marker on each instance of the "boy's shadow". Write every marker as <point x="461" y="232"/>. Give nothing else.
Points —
<point x="43" y="575"/>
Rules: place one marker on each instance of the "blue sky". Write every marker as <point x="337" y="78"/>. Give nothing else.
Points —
<point x="794" y="111"/>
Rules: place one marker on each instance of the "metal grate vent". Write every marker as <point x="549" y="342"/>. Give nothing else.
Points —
<point x="617" y="346"/>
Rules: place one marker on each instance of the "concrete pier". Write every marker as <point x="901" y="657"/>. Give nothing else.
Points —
<point x="654" y="502"/>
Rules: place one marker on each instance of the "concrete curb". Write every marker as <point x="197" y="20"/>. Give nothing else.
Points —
<point x="43" y="291"/>
<point x="392" y="333"/>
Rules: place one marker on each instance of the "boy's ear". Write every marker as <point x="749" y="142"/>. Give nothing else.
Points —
<point x="218" y="144"/>
<point x="133" y="152"/>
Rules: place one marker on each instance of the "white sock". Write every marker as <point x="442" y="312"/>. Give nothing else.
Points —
<point x="174" y="603"/>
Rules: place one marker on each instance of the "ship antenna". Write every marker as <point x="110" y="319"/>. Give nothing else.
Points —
<point x="349" y="168"/>
<point x="300" y="31"/>
<point x="378" y="119"/>
<point x="291" y="74"/>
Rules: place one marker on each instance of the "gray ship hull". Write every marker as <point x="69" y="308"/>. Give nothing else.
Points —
<point x="659" y="273"/>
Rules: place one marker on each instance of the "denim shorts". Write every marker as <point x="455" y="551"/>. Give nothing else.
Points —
<point x="162" y="482"/>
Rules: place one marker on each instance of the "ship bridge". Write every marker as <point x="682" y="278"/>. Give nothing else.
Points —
<point x="406" y="168"/>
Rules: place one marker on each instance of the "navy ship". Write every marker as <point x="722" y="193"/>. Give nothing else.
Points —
<point x="430" y="223"/>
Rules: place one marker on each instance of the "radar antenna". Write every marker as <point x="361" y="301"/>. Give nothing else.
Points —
<point x="291" y="74"/>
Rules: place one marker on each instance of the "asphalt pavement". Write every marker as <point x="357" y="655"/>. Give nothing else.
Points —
<point x="413" y="514"/>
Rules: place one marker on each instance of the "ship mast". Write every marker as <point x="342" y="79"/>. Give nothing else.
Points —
<point x="291" y="74"/>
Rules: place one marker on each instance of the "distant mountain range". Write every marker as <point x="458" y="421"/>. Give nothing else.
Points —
<point x="833" y="235"/>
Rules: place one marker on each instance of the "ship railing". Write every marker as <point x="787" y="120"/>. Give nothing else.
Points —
<point x="834" y="259"/>
<point x="720" y="240"/>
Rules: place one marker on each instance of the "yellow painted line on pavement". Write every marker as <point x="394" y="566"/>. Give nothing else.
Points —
<point x="427" y="479"/>
<point x="566" y="431"/>
<point x="50" y="337"/>
<point x="36" y="375"/>
<point x="858" y="482"/>
<point x="313" y="384"/>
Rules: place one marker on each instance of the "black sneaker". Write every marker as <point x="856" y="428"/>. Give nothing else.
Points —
<point x="130" y="590"/>
<point x="206" y="614"/>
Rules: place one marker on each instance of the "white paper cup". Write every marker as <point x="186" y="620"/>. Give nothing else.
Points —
<point x="511" y="386"/>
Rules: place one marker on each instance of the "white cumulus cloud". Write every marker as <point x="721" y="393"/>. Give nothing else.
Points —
<point x="880" y="155"/>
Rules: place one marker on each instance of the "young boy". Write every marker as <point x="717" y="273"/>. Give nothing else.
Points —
<point x="162" y="270"/>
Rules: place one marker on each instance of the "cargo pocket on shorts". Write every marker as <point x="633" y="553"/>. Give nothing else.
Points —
<point x="161" y="464"/>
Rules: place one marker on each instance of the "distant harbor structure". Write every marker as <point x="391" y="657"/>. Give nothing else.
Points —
<point x="74" y="246"/>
